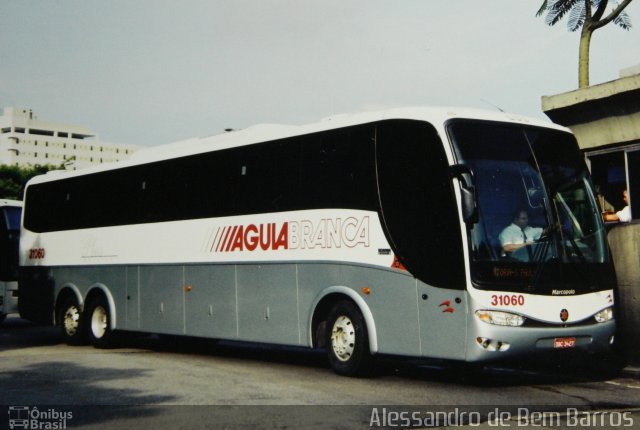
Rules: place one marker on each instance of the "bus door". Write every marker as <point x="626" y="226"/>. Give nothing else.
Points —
<point x="443" y="320"/>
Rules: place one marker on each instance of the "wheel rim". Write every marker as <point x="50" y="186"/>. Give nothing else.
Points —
<point x="343" y="338"/>
<point x="71" y="320"/>
<point x="99" y="322"/>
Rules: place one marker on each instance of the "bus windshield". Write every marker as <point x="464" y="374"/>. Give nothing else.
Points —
<point x="13" y="214"/>
<point x="538" y="228"/>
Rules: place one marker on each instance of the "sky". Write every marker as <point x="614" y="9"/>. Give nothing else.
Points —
<point x="149" y="72"/>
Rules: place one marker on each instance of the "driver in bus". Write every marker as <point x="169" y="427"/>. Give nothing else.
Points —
<point x="519" y="234"/>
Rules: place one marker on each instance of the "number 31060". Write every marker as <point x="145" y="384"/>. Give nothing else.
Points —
<point x="507" y="300"/>
<point x="36" y="253"/>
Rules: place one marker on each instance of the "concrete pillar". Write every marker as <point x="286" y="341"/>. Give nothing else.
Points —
<point x="624" y="240"/>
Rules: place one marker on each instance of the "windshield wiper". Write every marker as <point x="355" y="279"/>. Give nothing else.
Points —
<point x="576" y="249"/>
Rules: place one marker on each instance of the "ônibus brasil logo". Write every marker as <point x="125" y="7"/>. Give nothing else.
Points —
<point x="325" y="233"/>
<point x="27" y="417"/>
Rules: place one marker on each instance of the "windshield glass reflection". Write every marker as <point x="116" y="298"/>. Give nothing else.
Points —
<point x="537" y="218"/>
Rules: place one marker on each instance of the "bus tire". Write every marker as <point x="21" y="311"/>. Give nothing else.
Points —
<point x="348" y="341"/>
<point x="2" y="317"/>
<point x="99" y="323"/>
<point x="70" y="319"/>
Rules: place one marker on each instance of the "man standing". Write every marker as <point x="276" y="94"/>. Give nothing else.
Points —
<point x="623" y="215"/>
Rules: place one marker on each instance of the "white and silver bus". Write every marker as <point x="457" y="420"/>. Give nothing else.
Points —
<point x="375" y="233"/>
<point x="10" y="211"/>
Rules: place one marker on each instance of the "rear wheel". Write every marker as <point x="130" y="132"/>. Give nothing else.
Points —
<point x="99" y="322"/>
<point x="70" y="321"/>
<point x="348" y="341"/>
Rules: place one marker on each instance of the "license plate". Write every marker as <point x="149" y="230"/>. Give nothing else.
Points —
<point x="564" y="342"/>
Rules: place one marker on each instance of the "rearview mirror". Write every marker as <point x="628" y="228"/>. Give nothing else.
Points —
<point x="469" y="204"/>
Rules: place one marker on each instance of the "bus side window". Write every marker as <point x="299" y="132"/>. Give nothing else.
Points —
<point x="414" y="179"/>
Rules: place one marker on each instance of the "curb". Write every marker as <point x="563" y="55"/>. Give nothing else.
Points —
<point x="631" y="372"/>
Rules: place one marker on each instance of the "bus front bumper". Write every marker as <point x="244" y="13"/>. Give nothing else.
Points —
<point x="493" y="342"/>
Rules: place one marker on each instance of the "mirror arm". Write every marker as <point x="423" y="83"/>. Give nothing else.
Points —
<point x="464" y="175"/>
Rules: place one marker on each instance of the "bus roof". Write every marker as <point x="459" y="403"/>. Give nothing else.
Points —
<point x="266" y="132"/>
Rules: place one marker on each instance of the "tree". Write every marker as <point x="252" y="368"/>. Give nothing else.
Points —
<point x="588" y="15"/>
<point x="13" y="179"/>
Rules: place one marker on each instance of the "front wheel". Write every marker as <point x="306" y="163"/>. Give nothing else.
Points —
<point x="348" y="346"/>
<point x="99" y="323"/>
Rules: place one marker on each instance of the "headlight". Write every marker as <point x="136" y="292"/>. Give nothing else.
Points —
<point x="500" y="318"/>
<point x="604" y="315"/>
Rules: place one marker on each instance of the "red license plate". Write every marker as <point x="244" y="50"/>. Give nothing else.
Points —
<point x="564" y="342"/>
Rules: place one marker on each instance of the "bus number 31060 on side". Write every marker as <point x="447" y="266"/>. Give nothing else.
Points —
<point x="36" y="253"/>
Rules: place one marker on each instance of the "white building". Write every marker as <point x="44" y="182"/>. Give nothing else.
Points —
<point x="26" y="140"/>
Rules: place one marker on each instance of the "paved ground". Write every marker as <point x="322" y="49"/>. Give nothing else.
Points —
<point x="155" y="383"/>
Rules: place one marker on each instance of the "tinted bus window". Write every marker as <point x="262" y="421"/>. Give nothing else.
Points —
<point x="418" y="204"/>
